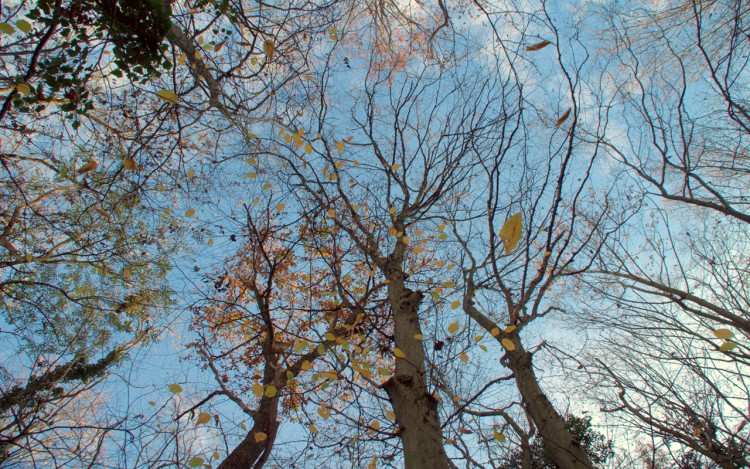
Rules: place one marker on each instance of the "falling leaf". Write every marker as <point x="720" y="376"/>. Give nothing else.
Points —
<point x="151" y="403"/>
<point x="499" y="436"/>
<point x="727" y="346"/>
<point x="258" y="389"/>
<point x="168" y="96"/>
<point x="280" y="207"/>
<point x="306" y="365"/>
<point x="28" y="257"/>
<point x="266" y="186"/>
<point x="392" y="210"/>
<point x="323" y="412"/>
<point x="419" y="336"/>
<point x="537" y="46"/>
<point x="90" y="165"/>
<point x="130" y="164"/>
<point x="375" y="425"/>
<point x="175" y="388"/>
<point x="313" y="429"/>
<point x="270" y="391"/>
<point x="510" y="329"/>
<point x="190" y="212"/>
<point x="196" y="461"/>
<point x="390" y="416"/>
<point x="7" y="29"/>
<point x="203" y="417"/>
<point x="308" y="148"/>
<point x="495" y="332"/>
<point x="723" y="333"/>
<point x="260" y="436"/>
<point x="394" y="167"/>
<point x="455" y="304"/>
<point x="23" y="88"/>
<point x="340" y="146"/>
<point x="269" y="48"/>
<point x="23" y="25"/>
<point x="243" y="426"/>
<point x="463" y="357"/>
<point x="508" y="344"/>
<point x="210" y="242"/>
<point x="442" y="236"/>
<point x="398" y="353"/>
<point x="562" y="118"/>
<point x="331" y="212"/>
<point x="511" y="232"/>
<point x="453" y="328"/>
<point x="418" y="250"/>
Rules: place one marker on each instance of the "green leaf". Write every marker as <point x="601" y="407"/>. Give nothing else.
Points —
<point x="196" y="461"/>
<point x="7" y="29"/>
<point x="727" y="346"/>
<point x="723" y="333"/>
<point x="23" y="25"/>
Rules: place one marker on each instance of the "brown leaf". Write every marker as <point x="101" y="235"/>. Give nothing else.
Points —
<point x="269" y="48"/>
<point x="562" y="118"/>
<point x="90" y="165"/>
<point x="537" y="46"/>
<point x="129" y="163"/>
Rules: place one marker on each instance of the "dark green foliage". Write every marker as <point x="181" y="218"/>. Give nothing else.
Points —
<point x="597" y="446"/>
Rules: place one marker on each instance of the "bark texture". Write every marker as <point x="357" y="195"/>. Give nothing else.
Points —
<point x="415" y="407"/>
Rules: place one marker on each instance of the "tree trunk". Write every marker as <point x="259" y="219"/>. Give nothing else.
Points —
<point x="564" y="450"/>
<point x="415" y="407"/>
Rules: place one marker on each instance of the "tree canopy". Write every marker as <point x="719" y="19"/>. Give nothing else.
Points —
<point x="374" y="234"/>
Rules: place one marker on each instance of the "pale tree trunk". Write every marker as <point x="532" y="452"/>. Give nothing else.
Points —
<point x="564" y="450"/>
<point x="416" y="409"/>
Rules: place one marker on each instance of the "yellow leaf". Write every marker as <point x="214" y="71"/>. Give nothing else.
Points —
<point x="449" y="284"/>
<point x="562" y="118"/>
<point x="23" y="88"/>
<point x="260" y="436"/>
<point x="190" y="212"/>
<point x="266" y="186"/>
<point x="439" y="263"/>
<point x="306" y="365"/>
<point x="252" y="175"/>
<point x="196" y="461"/>
<point x="453" y="328"/>
<point x="270" y="391"/>
<point x="243" y="426"/>
<point x="455" y="304"/>
<point x="331" y="212"/>
<point x="329" y="336"/>
<point x="340" y="146"/>
<point x="723" y="333"/>
<point x="510" y="329"/>
<point x="203" y="417"/>
<point x="418" y="250"/>
<point x="442" y="236"/>
<point x="398" y="353"/>
<point x="90" y="165"/>
<point x="313" y="429"/>
<point x="419" y="336"/>
<point x="392" y="210"/>
<point x="175" y="388"/>
<point x="405" y="240"/>
<point x="323" y="412"/>
<point x="151" y="403"/>
<point x="375" y="425"/>
<point x="280" y="207"/>
<point x="168" y="96"/>
<point x="28" y="257"/>
<point x="390" y="416"/>
<point x="484" y="349"/>
<point x="511" y="232"/>
<point x="508" y="344"/>
<point x="210" y="242"/>
<point x="463" y="357"/>
<point x="190" y="173"/>
<point x="478" y="338"/>
<point x="395" y="167"/>
<point x="258" y="389"/>
<point x="269" y="48"/>
<point x="499" y="436"/>
<point x="308" y="148"/>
